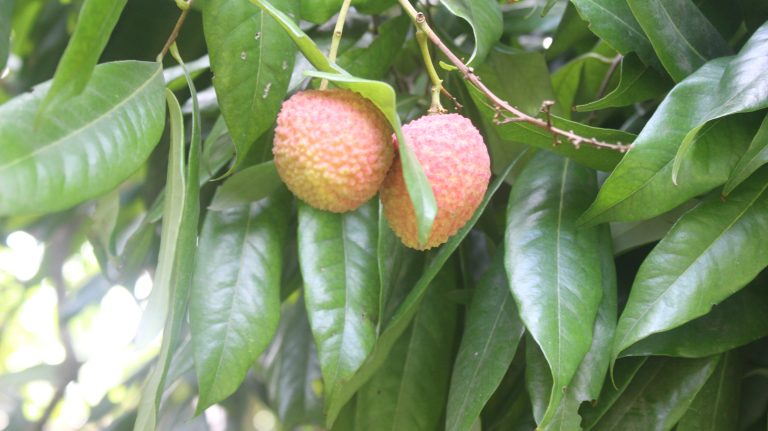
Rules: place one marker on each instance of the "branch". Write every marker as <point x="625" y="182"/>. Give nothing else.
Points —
<point x="185" y="6"/>
<point x="517" y="115"/>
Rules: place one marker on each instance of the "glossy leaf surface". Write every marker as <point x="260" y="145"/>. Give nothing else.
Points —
<point x="684" y="275"/>
<point x="249" y="185"/>
<point x="85" y="148"/>
<point x="485" y="18"/>
<point x="252" y="59"/>
<point x="755" y="157"/>
<point x="716" y="406"/>
<point x="554" y="266"/>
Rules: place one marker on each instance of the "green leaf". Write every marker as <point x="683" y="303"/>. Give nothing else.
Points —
<point x="653" y="397"/>
<point x="249" y="185"/>
<point x="684" y="277"/>
<point x="95" y="23"/>
<point x="252" y="60"/>
<point x="319" y="11"/>
<point x="614" y="23"/>
<point x="6" y="8"/>
<point x="294" y="379"/>
<point x="755" y="157"/>
<point x="408" y="392"/>
<point x="419" y="189"/>
<point x="716" y="406"/>
<point x="640" y="186"/>
<point x="681" y="35"/>
<point x="373" y="6"/>
<point x="554" y="267"/>
<point x="637" y="83"/>
<point x="528" y="93"/>
<point x="485" y="18"/>
<point x="341" y="284"/>
<point x="738" y="320"/>
<point x="742" y="88"/>
<point x="407" y="309"/>
<point x="235" y="305"/>
<point x="178" y="243"/>
<point x="93" y="145"/>
<point x="383" y="96"/>
<point x="491" y="334"/>
<point x="374" y="61"/>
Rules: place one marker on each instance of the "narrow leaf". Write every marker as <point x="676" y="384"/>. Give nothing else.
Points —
<point x="95" y="23"/>
<point x="637" y="83"/>
<point x="716" y="406"/>
<point x="235" y="303"/>
<point x="655" y="398"/>
<point x="640" y="186"/>
<point x="409" y="390"/>
<point x="554" y="267"/>
<point x="252" y="60"/>
<point x="738" y="320"/>
<point x="485" y="18"/>
<point x="341" y="284"/>
<point x="683" y="277"/>
<point x="491" y="334"/>
<point x="407" y="309"/>
<point x="249" y="185"/>
<point x="681" y="35"/>
<point x="93" y="144"/>
<point x="755" y="157"/>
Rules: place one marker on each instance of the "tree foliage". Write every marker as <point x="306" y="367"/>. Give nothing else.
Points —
<point x="612" y="278"/>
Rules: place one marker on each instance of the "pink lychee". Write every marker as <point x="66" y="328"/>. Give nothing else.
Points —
<point x="332" y="148"/>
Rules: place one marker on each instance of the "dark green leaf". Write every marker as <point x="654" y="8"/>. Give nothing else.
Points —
<point x="572" y="32"/>
<point x="485" y="18"/>
<point x="383" y="96"/>
<point x="373" y="6"/>
<point x="554" y="267"/>
<point x="738" y="320"/>
<point x="6" y="8"/>
<point x="755" y="157"/>
<point x="408" y="392"/>
<point x="293" y="371"/>
<point x="528" y="94"/>
<point x="341" y="284"/>
<point x="654" y="397"/>
<point x="685" y="276"/>
<point x="373" y="61"/>
<point x="235" y="302"/>
<point x="94" y="27"/>
<point x="491" y="334"/>
<point x="87" y="147"/>
<point x="681" y="35"/>
<point x="640" y="187"/>
<point x="742" y="88"/>
<point x="613" y="22"/>
<point x="404" y="314"/>
<point x="177" y="252"/>
<point x="252" y="60"/>
<point x="716" y="406"/>
<point x="637" y="83"/>
<point x="249" y="185"/>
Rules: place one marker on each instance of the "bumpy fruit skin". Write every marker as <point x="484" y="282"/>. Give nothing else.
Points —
<point x="455" y="159"/>
<point x="332" y="148"/>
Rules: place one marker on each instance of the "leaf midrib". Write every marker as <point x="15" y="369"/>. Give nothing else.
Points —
<point x="88" y="125"/>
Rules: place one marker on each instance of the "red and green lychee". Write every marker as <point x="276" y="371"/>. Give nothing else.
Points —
<point x="332" y="148"/>
<point x="455" y="160"/>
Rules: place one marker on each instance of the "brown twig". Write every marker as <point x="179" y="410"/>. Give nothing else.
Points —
<point x="517" y="115"/>
<point x="175" y="32"/>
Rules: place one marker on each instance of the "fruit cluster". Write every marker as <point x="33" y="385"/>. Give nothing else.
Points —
<point x="335" y="150"/>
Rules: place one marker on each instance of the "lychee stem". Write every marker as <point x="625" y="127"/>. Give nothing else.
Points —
<point x="437" y="83"/>
<point x="420" y="21"/>
<point x="336" y="39"/>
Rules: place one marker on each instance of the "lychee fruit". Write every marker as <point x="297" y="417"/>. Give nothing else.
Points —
<point x="332" y="148"/>
<point x="455" y="160"/>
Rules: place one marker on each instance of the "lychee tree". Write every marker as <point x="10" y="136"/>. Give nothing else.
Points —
<point x="388" y="214"/>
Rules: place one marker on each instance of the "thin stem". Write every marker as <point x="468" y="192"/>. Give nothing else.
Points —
<point x="517" y="115"/>
<point x="176" y="29"/>
<point x="336" y="40"/>
<point x="437" y="83"/>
